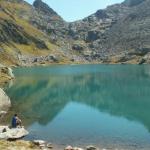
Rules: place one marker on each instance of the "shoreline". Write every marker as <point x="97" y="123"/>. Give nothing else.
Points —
<point x="77" y="63"/>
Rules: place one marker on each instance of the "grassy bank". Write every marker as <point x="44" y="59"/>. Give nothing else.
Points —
<point x="17" y="145"/>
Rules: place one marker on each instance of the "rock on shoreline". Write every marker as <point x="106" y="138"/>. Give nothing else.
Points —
<point x="90" y="147"/>
<point x="18" y="145"/>
<point x="6" y="74"/>
<point x="5" y="102"/>
<point x="12" y="134"/>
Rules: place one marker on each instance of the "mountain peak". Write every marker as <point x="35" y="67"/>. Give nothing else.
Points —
<point x="40" y="5"/>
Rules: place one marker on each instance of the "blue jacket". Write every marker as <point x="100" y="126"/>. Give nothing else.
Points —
<point x="14" y="122"/>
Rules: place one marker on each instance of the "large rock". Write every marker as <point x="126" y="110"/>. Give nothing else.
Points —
<point x="78" y="47"/>
<point x="6" y="70"/>
<point x="6" y="74"/>
<point x="73" y="148"/>
<point x="91" y="147"/>
<point x="4" y="101"/>
<point x="69" y="148"/>
<point x="14" y="133"/>
<point x="10" y="73"/>
<point x="43" y="144"/>
<point x="39" y="142"/>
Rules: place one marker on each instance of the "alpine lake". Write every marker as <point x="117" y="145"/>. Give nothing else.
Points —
<point x="104" y="105"/>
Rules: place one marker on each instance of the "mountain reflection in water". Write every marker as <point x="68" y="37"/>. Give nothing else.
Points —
<point x="39" y="94"/>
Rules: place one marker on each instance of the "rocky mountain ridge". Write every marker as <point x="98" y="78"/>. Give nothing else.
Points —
<point x="118" y="34"/>
<point x="117" y="29"/>
<point x="115" y="34"/>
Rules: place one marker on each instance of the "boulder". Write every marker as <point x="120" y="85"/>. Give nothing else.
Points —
<point x="146" y="58"/>
<point x="39" y="142"/>
<point x="142" y="61"/>
<point x="49" y="145"/>
<point x="78" y="47"/>
<point x="77" y="148"/>
<point x="10" y="73"/>
<point x="2" y="113"/>
<point x="7" y="71"/>
<point x="43" y="144"/>
<point x="91" y="147"/>
<point x="69" y="148"/>
<point x="73" y="148"/>
<point x="12" y="134"/>
<point x="4" y="101"/>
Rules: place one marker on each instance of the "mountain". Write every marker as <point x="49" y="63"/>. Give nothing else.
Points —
<point x="118" y="33"/>
<point x="22" y="43"/>
<point x="37" y="34"/>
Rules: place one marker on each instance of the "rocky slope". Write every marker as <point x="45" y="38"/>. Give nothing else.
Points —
<point x="118" y="34"/>
<point x="6" y="74"/>
<point x="19" y="38"/>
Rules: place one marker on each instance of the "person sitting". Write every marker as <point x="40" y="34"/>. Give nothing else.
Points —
<point x="16" y="121"/>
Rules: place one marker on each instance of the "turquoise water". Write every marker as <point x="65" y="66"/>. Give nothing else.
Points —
<point x="104" y="105"/>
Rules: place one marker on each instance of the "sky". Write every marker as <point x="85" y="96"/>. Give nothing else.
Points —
<point x="72" y="10"/>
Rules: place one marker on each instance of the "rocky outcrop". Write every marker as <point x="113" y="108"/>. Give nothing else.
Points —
<point x="8" y="71"/>
<point x="33" y="60"/>
<point x="91" y="147"/>
<point x="6" y="74"/>
<point x="12" y="134"/>
<point x="40" y="6"/>
<point x="4" y="102"/>
<point x="47" y="20"/>
<point x="12" y="32"/>
<point x="43" y="144"/>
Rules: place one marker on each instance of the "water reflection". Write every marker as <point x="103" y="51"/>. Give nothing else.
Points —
<point x="41" y="94"/>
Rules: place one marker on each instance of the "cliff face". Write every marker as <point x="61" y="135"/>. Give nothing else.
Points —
<point x="118" y="34"/>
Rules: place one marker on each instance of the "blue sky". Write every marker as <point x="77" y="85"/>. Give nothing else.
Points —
<point x="72" y="10"/>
